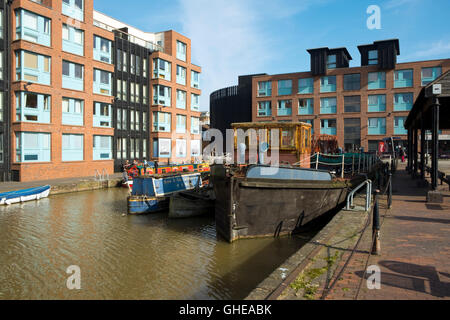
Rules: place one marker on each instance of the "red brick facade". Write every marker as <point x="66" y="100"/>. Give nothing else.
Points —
<point x="340" y="94"/>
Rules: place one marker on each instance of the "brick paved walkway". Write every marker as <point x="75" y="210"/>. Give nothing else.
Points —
<point x="415" y="244"/>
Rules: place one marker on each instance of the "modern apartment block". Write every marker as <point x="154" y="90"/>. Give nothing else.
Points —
<point x="360" y="105"/>
<point x="81" y="92"/>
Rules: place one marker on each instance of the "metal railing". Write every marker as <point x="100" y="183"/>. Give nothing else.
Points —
<point x="101" y="177"/>
<point x="350" y="197"/>
<point x="129" y="37"/>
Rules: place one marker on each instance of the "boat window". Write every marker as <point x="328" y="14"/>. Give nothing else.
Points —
<point x="287" y="138"/>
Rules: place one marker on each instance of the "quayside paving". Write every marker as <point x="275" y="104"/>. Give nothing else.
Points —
<point x="414" y="259"/>
<point x="69" y="185"/>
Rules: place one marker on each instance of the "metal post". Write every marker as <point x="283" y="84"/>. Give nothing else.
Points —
<point x="343" y="166"/>
<point x="390" y="191"/>
<point x="353" y="165"/>
<point x="435" y="143"/>
<point x="376" y="249"/>
<point x="359" y="163"/>
<point x="422" y="149"/>
<point x="317" y="161"/>
<point x="416" y="151"/>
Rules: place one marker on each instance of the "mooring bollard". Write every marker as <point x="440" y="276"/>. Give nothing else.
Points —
<point x="390" y="191"/>
<point x="376" y="249"/>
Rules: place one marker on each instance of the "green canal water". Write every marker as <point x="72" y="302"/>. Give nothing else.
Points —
<point x="131" y="257"/>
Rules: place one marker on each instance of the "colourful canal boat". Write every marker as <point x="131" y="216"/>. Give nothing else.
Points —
<point x="150" y="194"/>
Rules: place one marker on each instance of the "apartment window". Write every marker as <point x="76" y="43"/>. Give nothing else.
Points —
<point x="138" y="65"/>
<point x="264" y="109"/>
<point x="144" y="148"/>
<point x="306" y="86"/>
<point x="73" y="9"/>
<point x="377" y="126"/>
<point x="403" y="78"/>
<point x="119" y="58"/>
<point x="144" y="94"/>
<point x="102" y="49"/>
<point x="181" y="148"/>
<point x="33" y="147"/>
<point x="352" y="104"/>
<point x="264" y="89"/>
<point x="195" y="102"/>
<point x="119" y="119"/>
<point x="137" y="93"/>
<point x="352" y="82"/>
<point x="102" y="148"/>
<point x="284" y="108"/>
<point x="352" y="134"/>
<point x="124" y="61"/>
<point x="72" y="76"/>
<point x="328" y="126"/>
<point x="132" y="64"/>
<point x="196" y="149"/>
<point x="284" y="87"/>
<point x="72" y="147"/>
<point x="72" y="112"/>
<point x="144" y="68"/>
<point x="124" y="90"/>
<point x="181" y="123"/>
<point x="162" y="95"/>
<point x="376" y="80"/>
<point x="328" y="105"/>
<point x="181" y="50"/>
<point x="161" y="122"/>
<point x="132" y="122"/>
<point x="403" y="101"/>
<point x="162" y="69"/>
<point x="331" y="61"/>
<point x="195" y="79"/>
<point x="162" y="148"/>
<point x="373" y="57"/>
<point x="138" y="121"/>
<point x="144" y="121"/>
<point x="102" y="115"/>
<point x="399" y="126"/>
<point x="377" y="103"/>
<point x="102" y="82"/>
<point x="32" y="27"/>
<point x="1" y="148"/>
<point x="305" y="106"/>
<point x="132" y="92"/>
<point x="32" y="67"/>
<point x="73" y="40"/>
<point x="1" y="65"/>
<point x="430" y="74"/>
<point x="124" y="120"/>
<point x="2" y="102"/>
<point x="328" y="84"/>
<point x="181" y="75"/>
<point x="181" y="99"/>
<point x="195" y="125"/>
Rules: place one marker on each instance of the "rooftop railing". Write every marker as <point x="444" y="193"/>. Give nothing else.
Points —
<point x="129" y="37"/>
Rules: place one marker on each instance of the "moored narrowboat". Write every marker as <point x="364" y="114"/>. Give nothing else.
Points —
<point x="150" y="194"/>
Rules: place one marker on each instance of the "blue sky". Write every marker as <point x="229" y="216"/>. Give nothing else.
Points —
<point x="237" y="37"/>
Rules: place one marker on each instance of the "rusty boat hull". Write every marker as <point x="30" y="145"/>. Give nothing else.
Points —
<point x="252" y="208"/>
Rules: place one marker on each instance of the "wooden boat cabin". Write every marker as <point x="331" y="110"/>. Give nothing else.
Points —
<point x="294" y="142"/>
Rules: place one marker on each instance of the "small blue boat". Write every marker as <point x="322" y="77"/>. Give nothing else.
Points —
<point x="18" y="196"/>
<point x="151" y="194"/>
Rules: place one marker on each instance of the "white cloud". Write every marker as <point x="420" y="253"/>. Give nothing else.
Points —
<point x="438" y="49"/>
<point x="229" y="39"/>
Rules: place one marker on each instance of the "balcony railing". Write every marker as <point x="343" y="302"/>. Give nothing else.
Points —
<point x="126" y="36"/>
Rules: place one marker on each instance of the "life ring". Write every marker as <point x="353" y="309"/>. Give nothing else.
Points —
<point x="134" y="172"/>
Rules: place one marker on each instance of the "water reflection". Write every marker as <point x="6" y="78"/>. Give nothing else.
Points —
<point x="131" y="257"/>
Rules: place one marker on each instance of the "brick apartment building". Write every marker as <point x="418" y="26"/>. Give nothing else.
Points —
<point x="82" y="92"/>
<point x="360" y="105"/>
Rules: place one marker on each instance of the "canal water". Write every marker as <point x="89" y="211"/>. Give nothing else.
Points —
<point x="125" y="257"/>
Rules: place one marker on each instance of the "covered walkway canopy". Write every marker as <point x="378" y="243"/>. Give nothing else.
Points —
<point x="431" y="111"/>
